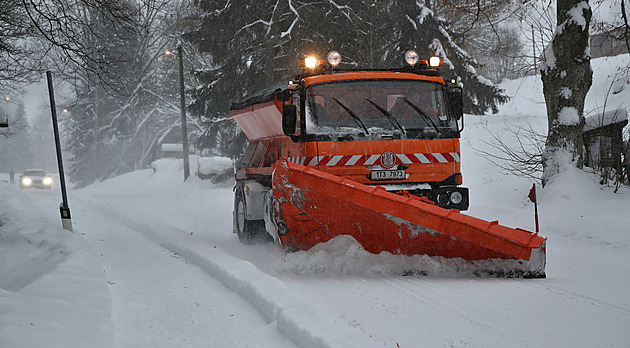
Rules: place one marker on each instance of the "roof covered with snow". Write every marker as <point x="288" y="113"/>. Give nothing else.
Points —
<point x="605" y="119"/>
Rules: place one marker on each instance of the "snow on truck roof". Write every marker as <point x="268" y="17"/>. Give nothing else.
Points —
<point x="262" y="96"/>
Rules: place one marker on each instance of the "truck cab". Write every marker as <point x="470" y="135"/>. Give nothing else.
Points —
<point x="398" y="129"/>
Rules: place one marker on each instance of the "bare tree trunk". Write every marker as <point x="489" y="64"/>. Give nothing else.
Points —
<point x="567" y="76"/>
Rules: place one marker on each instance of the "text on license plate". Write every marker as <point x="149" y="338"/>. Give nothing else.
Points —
<point x="388" y="175"/>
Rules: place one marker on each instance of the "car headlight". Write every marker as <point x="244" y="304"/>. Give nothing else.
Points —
<point x="47" y="181"/>
<point x="27" y="181"/>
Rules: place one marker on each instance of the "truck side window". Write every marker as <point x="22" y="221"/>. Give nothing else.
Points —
<point x="270" y="159"/>
<point x="247" y="156"/>
<point x="257" y="155"/>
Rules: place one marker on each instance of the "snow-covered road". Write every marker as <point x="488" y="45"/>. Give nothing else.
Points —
<point x="153" y="263"/>
<point x="350" y="289"/>
<point x="170" y="273"/>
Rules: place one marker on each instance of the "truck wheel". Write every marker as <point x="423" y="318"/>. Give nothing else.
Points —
<point x="248" y="231"/>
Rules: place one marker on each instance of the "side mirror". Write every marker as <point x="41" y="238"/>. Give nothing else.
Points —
<point x="289" y="119"/>
<point x="455" y="96"/>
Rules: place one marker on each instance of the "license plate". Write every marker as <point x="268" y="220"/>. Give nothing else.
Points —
<point x="388" y="175"/>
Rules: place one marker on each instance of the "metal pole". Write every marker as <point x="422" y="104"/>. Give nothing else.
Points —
<point x="536" y="216"/>
<point x="66" y="221"/>
<point x="183" y="110"/>
<point x="5" y="124"/>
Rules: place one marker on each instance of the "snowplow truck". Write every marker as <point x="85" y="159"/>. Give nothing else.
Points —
<point x="373" y="154"/>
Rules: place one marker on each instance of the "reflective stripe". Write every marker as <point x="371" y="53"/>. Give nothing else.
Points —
<point x="333" y="161"/>
<point x="368" y="160"/>
<point x="422" y="158"/>
<point x="440" y="158"/>
<point x="404" y="159"/>
<point x="353" y="160"/>
<point x="314" y="161"/>
<point x="371" y="160"/>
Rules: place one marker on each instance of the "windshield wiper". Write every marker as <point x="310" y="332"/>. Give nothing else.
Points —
<point x="422" y="113"/>
<point x="354" y="116"/>
<point x="389" y="116"/>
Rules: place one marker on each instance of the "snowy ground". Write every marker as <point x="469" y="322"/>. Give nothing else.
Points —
<point x="153" y="262"/>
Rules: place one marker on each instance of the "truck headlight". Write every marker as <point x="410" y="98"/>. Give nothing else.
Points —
<point x="434" y="62"/>
<point x="412" y="57"/>
<point x="47" y="181"/>
<point x="456" y="197"/>
<point x="334" y="58"/>
<point x="310" y="62"/>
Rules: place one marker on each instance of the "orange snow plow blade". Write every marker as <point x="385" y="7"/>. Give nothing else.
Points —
<point x="312" y="207"/>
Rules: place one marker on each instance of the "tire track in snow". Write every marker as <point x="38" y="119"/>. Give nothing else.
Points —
<point x="582" y="297"/>
<point x="441" y="305"/>
<point x="477" y="308"/>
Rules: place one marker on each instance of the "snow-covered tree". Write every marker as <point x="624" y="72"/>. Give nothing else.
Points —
<point x="15" y="67"/>
<point x="98" y="123"/>
<point x="251" y="53"/>
<point x="122" y="113"/>
<point x="567" y="76"/>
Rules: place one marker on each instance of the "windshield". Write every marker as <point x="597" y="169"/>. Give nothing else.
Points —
<point x="411" y="107"/>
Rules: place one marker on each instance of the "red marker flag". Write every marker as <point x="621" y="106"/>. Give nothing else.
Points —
<point x="532" y="194"/>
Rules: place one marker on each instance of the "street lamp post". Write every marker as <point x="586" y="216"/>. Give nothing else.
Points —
<point x="182" y="107"/>
<point x="64" y="209"/>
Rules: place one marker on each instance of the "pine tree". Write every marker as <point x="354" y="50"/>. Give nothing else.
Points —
<point x="252" y="53"/>
<point x="123" y="112"/>
<point x="101" y="119"/>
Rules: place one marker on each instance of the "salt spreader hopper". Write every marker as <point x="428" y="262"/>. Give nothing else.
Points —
<point x="370" y="154"/>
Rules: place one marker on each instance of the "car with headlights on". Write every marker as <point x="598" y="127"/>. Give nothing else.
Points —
<point x="35" y="178"/>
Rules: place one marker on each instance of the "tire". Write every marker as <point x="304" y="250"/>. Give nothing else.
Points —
<point x="248" y="231"/>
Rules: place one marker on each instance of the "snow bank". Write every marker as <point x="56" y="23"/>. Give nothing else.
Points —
<point x="214" y="165"/>
<point x="52" y="287"/>
<point x="343" y="255"/>
<point x="165" y="173"/>
<point x="216" y="169"/>
<point x="571" y="197"/>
